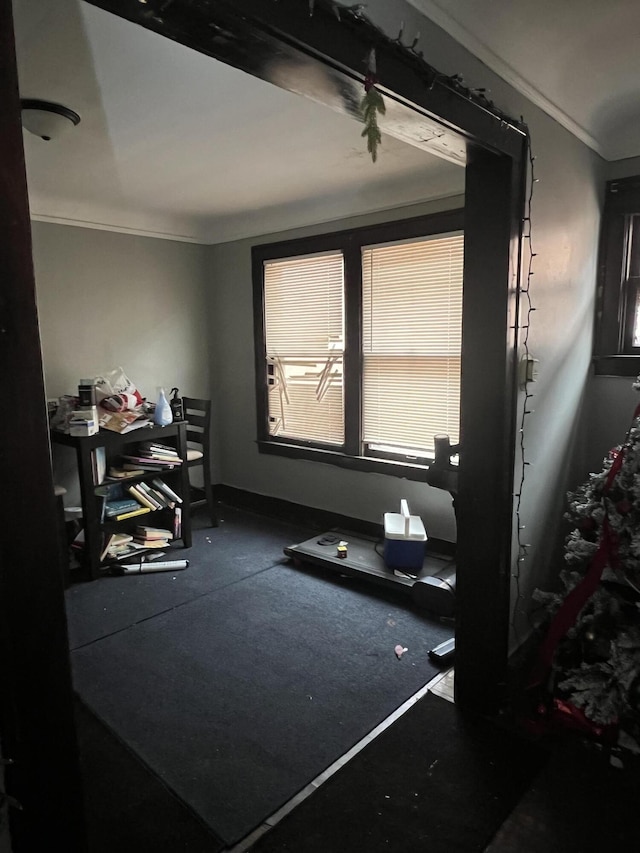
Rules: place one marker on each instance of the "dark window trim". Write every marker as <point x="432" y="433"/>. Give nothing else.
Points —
<point x="631" y="282"/>
<point x="368" y="464"/>
<point x="613" y="353"/>
<point x="349" y="241"/>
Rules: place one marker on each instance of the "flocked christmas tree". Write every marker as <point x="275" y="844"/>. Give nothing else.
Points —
<point x="590" y="660"/>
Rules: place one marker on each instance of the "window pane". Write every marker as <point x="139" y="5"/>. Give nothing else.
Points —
<point x="304" y="333"/>
<point x="407" y="401"/>
<point x="636" y="321"/>
<point x="412" y="332"/>
<point x="633" y="277"/>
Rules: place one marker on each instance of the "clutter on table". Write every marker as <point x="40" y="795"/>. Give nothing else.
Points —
<point x="113" y="402"/>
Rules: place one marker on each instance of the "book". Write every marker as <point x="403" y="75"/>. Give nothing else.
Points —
<point x="115" y="543"/>
<point x="161" y="457"/>
<point x="122" y="422"/>
<point x="140" y="496"/>
<point x="106" y="547"/>
<point x="159" y="453"/>
<point x="149" y="493"/>
<point x="116" y="507"/>
<point x="152" y="532"/>
<point x="167" y="501"/>
<point x="132" y="549"/>
<point x="177" y="523"/>
<point x="152" y="537"/>
<point x="116" y="473"/>
<point x="163" y="500"/>
<point x="141" y="461"/>
<point x="162" y="449"/>
<point x="132" y="513"/>
<point x="98" y="464"/>
<point x="160" y="484"/>
<point x="151" y="543"/>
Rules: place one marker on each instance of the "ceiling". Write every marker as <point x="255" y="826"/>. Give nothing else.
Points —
<point x="175" y="144"/>
<point x="579" y="60"/>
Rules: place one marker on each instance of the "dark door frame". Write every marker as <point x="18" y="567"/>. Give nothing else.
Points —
<point x="277" y="40"/>
<point x="324" y="56"/>
<point x="36" y="707"/>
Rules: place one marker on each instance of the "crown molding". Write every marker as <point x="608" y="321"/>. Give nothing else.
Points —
<point x="463" y="36"/>
<point x="119" y="229"/>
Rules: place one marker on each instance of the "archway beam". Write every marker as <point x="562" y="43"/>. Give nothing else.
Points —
<point x="324" y="56"/>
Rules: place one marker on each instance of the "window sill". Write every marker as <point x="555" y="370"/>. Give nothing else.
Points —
<point x="616" y="365"/>
<point x="341" y="460"/>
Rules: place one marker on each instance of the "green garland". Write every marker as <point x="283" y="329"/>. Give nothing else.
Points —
<point x="371" y="106"/>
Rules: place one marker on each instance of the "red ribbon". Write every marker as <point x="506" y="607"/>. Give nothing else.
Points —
<point x="571" y="606"/>
<point x="561" y="716"/>
<point x="606" y="554"/>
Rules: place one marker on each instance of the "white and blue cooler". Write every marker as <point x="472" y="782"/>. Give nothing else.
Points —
<point x="405" y="540"/>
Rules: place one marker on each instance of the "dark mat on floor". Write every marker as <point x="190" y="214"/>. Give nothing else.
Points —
<point x="432" y="781"/>
<point x="242" y="545"/>
<point x="127" y="808"/>
<point x="240" y="698"/>
<point x="578" y="803"/>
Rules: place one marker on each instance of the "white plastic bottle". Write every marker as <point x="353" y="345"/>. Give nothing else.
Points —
<point x="162" y="415"/>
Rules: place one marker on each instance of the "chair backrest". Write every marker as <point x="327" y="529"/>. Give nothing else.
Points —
<point x="197" y="414"/>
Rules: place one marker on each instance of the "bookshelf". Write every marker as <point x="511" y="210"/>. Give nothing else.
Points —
<point x="98" y="452"/>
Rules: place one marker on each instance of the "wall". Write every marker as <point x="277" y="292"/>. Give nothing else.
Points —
<point x="612" y="401"/>
<point x="623" y="168"/>
<point x="356" y="494"/>
<point x="107" y="300"/>
<point x="566" y="214"/>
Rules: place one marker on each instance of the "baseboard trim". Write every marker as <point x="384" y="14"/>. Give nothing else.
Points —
<point x="307" y="516"/>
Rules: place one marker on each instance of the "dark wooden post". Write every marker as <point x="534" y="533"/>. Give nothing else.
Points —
<point x="493" y="205"/>
<point x="36" y="709"/>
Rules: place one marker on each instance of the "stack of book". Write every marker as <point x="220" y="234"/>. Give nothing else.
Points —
<point x="159" y="452"/>
<point x="152" y="497"/>
<point x="152" y="537"/>
<point x="117" y="473"/>
<point x="152" y="457"/>
<point x="121" y="509"/>
<point x="115" y="508"/>
<point x="161" y="486"/>
<point x="116" y="546"/>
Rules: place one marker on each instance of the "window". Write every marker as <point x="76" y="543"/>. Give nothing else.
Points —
<point x="617" y="333"/>
<point x="358" y="343"/>
<point x="304" y="340"/>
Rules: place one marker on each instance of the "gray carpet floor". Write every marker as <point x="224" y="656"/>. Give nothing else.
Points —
<point x="240" y="679"/>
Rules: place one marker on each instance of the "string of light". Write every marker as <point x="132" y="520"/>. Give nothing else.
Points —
<point x="526" y="309"/>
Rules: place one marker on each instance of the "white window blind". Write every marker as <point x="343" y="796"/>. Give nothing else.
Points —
<point x="304" y="335"/>
<point x="412" y="333"/>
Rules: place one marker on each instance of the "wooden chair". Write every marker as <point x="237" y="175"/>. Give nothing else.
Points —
<point x="197" y="414"/>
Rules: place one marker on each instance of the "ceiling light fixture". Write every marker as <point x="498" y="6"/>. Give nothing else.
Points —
<point x="45" y="119"/>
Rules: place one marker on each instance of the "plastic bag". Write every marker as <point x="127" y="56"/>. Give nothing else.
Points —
<point x="63" y="414"/>
<point x="116" y="392"/>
